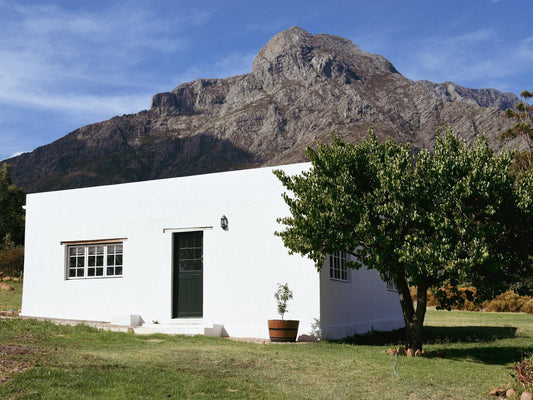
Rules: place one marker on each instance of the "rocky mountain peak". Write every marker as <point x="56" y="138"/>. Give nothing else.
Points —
<point x="295" y="54"/>
<point x="302" y="88"/>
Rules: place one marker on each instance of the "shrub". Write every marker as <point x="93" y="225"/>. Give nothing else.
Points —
<point x="528" y="306"/>
<point x="453" y="298"/>
<point x="523" y="372"/>
<point x="508" y="302"/>
<point x="12" y="261"/>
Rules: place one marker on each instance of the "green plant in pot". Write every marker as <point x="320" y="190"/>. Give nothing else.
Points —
<point x="282" y="330"/>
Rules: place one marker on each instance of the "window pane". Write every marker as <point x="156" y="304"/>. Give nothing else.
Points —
<point x="190" y="265"/>
<point x="98" y="259"/>
<point x="186" y="254"/>
<point x="337" y="266"/>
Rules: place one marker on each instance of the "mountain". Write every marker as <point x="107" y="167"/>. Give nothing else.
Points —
<point x="302" y="88"/>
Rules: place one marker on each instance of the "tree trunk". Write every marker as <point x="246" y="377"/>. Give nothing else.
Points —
<point x="414" y="334"/>
<point x="414" y="319"/>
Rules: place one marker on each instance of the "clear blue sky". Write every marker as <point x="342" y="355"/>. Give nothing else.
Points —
<point x="65" y="64"/>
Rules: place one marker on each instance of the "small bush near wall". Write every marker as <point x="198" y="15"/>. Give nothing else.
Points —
<point x="465" y="299"/>
<point x="12" y="262"/>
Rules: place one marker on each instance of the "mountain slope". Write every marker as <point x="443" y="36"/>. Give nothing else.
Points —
<point x="302" y="88"/>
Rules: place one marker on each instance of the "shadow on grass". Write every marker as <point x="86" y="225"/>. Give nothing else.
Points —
<point x="436" y="334"/>
<point x="487" y="354"/>
<point x="456" y="340"/>
<point x="467" y="334"/>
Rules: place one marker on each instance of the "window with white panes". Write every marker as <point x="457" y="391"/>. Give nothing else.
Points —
<point x="97" y="260"/>
<point x="337" y="266"/>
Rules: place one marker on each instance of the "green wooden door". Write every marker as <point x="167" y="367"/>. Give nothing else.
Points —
<point x="187" y="296"/>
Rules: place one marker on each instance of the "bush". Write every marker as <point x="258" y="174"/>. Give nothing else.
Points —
<point x="528" y="307"/>
<point x="453" y="298"/>
<point x="523" y="372"/>
<point x="12" y="262"/>
<point x="509" y="302"/>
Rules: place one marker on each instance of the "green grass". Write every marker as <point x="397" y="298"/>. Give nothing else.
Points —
<point x="11" y="300"/>
<point x="81" y="362"/>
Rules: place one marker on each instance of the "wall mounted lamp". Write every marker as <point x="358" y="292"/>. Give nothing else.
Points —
<point x="224" y="222"/>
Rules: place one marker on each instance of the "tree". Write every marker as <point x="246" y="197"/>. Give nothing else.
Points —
<point x="523" y="129"/>
<point x="11" y="212"/>
<point x="426" y="219"/>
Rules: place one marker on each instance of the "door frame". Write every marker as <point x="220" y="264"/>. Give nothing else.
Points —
<point x="170" y="244"/>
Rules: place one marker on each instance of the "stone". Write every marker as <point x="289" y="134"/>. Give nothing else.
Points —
<point x="391" y="352"/>
<point x="410" y="353"/>
<point x="419" y="353"/>
<point x="401" y="351"/>
<point x="498" y="391"/>
<point x="6" y="278"/>
<point x="307" y="338"/>
<point x="510" y="394"/>
<point x="6" y="287"/>
<point x="10" y="313"/>
<point x="526" y="396"/>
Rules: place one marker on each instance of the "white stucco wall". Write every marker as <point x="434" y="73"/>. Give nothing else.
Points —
<point x="241" y="265"/>
<point x="360" y="305"/>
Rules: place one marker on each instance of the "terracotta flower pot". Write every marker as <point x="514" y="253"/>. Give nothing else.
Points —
<point x="281" y="330"/>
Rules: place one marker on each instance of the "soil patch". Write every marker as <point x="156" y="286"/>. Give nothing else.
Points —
<point x="13" y="360"/>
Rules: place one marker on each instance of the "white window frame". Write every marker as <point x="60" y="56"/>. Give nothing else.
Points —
<point x="94" y="259"/>
<point x="391" y="283"/>
<point x="337" y="267"/>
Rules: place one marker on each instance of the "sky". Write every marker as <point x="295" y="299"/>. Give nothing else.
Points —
<point x="66" y="64"/>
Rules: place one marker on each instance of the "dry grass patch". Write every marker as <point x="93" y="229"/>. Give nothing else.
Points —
<point x="14" y="359"/>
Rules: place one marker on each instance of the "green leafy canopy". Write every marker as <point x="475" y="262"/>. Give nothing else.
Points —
<point x="454" y="215"/>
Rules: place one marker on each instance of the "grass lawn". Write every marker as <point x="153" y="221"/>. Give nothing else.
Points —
<point x="11" y="300"/>
<point x="62" y="362"/>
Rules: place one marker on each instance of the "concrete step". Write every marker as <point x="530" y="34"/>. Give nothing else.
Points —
<point x="178" y="326"/>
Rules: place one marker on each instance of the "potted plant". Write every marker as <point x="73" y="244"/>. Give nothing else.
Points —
<point x="281" y="330"/>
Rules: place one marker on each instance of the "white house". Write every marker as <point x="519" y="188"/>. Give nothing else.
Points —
<point x="155" y="254"/>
